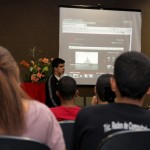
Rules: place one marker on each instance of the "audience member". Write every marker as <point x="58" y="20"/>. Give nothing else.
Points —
<point x="52" y="100"/>
<point x="131" y="83"/>
<point x="102" y="90"/>
<point x="23" y="117"/>
<point x="67" y="91"/>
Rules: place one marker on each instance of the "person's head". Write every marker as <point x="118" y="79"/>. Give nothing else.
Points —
<point x="11" y="107"/>
<point x="132" y="75"/>
<point x="103" y="88"/>
<point x="67" y="88"/>
<point x="58" y="66"/>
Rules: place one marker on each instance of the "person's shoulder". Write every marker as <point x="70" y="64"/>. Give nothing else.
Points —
<point x="39" y="113"/>
<point x="53" y="78"/>
<point x="56" y="108"/>
<point x="70" y="109"/>
<point x="77" y="107"/>
<point x="48" y="78"/>
<point x="95" y="109"/>
<point x="39" y="108"/>
<point x="88" y="109"/>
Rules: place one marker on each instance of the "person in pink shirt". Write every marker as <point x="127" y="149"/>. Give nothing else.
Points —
<point x="67" y="91"/>
<point x="21" y="116"/>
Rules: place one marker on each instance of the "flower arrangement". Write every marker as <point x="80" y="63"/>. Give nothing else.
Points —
<point x="38" y="69"/>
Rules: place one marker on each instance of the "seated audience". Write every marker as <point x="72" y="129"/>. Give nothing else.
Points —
<point x="131" y="83"/>
<point x="21" y="116"/>
<point x="102" y="90"/>
<point x="67" y="91"/>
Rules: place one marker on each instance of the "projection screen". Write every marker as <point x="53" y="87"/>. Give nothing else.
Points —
<point x="91" y="39"/>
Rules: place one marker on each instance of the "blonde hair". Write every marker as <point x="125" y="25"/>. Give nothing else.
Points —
<point x="12" y="118"/>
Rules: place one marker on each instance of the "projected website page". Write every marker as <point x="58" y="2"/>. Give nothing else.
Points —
<point x="90" y="49"/>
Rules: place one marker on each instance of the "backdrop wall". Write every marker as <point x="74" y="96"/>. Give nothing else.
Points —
<point x="28" y="23"/>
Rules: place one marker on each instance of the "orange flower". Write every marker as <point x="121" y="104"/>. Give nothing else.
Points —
<point x="32" y="78"/>
<point x="25" y="64"/>
<point x="38" y="69"/>
<point x="39" y="75"/>
<point x="37" y="79"/>
<point x="45" y="60"/>
<point x="22" y="62"/>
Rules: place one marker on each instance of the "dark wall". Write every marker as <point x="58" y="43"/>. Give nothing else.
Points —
<point x="28" y="23"/>
<point x="35" y="23"/>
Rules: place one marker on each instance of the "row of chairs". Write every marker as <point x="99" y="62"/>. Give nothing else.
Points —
<point x="20" y="143"/>
<point x="126" y="140"/>
<point x="122" y="140"/>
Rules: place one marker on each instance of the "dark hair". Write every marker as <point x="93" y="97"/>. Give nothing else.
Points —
<point x="132" y="74"/>
<point x="67" y="87"/>
<point x="103" y="88"/>
<point x="56" y="62"/>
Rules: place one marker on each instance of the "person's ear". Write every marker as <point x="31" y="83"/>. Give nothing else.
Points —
<point x="77" y="93"/>
<point x="113" y="84"/>
<point x="148" y="91"/>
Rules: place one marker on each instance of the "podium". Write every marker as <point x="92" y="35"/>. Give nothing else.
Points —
<point x="35" y="90"/>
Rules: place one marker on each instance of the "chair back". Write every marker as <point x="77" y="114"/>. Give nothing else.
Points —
<point x="20" y="143"/>
<point x="126" y="140"/>
<point x="67" y="128"/>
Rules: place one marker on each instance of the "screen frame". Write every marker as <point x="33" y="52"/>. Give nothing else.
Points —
<point x="97" y="7"/>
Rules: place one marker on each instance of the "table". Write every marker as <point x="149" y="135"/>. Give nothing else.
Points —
<point x="35" y="90"/>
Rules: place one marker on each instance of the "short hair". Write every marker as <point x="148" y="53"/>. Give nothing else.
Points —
<point x="67" y="87"/>
<point x="103" y="88"/>
<point x="132" y="74"/>
<point x="57" y="61"/>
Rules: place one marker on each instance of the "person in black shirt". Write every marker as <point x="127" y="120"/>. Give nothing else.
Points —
<point x="131" y="83"/>
<point x="52" y="100"/>
<point x="102" y="90"/>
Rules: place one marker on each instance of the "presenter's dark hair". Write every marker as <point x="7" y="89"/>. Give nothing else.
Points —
<point x="132" y="74"/>
<point x="103" y="88"/>
<point x="67" y="87"/>
<point x="57" y="61"/>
